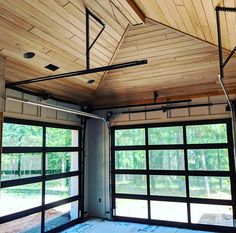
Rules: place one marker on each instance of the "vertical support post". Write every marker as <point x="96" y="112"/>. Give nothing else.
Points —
<point x="87" y="41"/>
<point x="2" y="95"/>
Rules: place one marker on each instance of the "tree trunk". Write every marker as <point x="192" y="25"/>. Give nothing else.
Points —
<point x="203" y="160"/>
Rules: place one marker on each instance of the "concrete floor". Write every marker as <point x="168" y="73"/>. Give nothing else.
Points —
<point x="103" y="226"/>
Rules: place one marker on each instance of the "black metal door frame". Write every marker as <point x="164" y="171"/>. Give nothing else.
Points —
<point x="185" y="172"/>
<point x="43" y="178"/>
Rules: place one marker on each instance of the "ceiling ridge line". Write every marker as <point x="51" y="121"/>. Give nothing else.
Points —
<point x="187" y="34"/>
<point x="110" y="62"/>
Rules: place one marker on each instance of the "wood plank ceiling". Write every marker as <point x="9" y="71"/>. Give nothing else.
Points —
<point x="194" y="17"/>
<point x="55" y="31"/>
<point x="180" y="65"/>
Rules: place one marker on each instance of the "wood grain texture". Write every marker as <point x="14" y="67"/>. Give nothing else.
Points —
<point x="55" y="31"/>
<point x="194" y="17"/>
<point x="178" y="66"/>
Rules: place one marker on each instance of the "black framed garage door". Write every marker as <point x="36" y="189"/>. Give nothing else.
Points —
<point x="178" y="174"/>
<point x="41" y="176"/>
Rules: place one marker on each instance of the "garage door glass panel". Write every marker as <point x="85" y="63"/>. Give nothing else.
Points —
<point x="163" y="185"/>
<point x="134" y="159"/>
<point x="166" y="159"/>
<point x="210" y="187"/>
<point x="208" y="159"/>
<point x="17" y="135"/>
<point x="61" y="215"/>
<point x="20" y="165"/>
<point x="130" y="137"/>
<point x="169" y="211"/>
<point x="131" y="208"/>
<point x="62" y="162"/>
<point x="165" y="135"/>
<point x="221" y="215"/>
<point x="61" y="188"/>
<point x="135" y="184"/>
<point x="28" y="224"/>
<point x="60" y="137"/>
<point x="19" y="198"/>
<point x="202" y="134"/>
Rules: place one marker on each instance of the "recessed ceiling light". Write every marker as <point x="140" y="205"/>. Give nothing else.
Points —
<point x="29" y="55"/>
<point x="90" y="81"/>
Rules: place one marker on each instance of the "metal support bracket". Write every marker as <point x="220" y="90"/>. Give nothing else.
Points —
<point x="88" y="46"/>
<point x="221" y="62"/>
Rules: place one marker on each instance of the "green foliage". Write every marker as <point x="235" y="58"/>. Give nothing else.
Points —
<point x="21" y="165"/>
<point x="166" y="159"/>
<point x="212" y="133"/>
<point x="130" y="137"/>
<point x="58" y="137"/>
<point x="58" y="162"/>
<point x="135" y="184"/>
<point x="165" y="135"/>
<point x="208" y="159"/>
<point x="210" y="187"/>
<point x="22" y="135"/>
<point x="130" y="159"/>
<point x="165" y="185"/>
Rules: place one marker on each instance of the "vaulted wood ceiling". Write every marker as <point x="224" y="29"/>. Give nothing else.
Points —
<point x="55" y="31"/>
<point x="179" y="66"/>
<point x="178" y="39"/>
<point x="195" y="17"/>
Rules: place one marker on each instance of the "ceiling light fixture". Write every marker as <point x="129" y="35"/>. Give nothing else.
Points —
<point x="90" y="81"/>
<point x="29" y="55"/>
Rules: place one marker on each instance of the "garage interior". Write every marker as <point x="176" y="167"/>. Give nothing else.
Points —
<point x="117" y="116"/>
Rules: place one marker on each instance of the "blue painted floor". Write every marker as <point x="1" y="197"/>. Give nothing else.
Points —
<point x="103" y="226"/>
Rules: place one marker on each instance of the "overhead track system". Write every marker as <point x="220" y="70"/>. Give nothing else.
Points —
<point x="167" y="108"/>
<point x="54" y="107"/>
<point x="144" y="105"/>
<point x="88" y="69"/>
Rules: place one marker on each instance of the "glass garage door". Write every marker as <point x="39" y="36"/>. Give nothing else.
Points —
<point x="40" y="177"/>
<point x="178" y="174"/>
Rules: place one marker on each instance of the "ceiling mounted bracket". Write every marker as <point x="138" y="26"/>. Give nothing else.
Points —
<point x="221" y="62"/>
<point x="155" y="96"/>
<point x="88" y="46"/>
